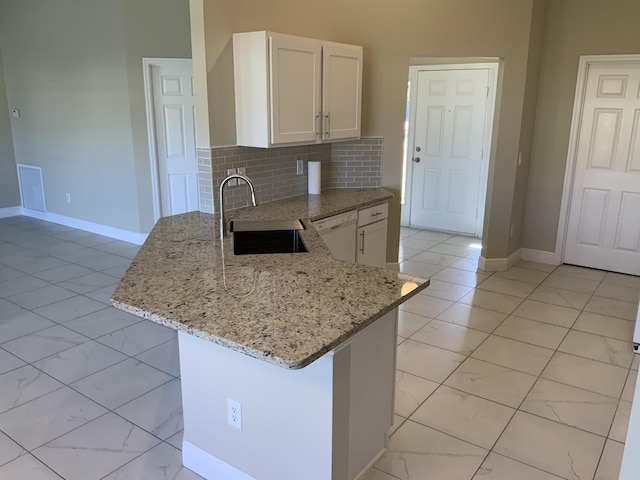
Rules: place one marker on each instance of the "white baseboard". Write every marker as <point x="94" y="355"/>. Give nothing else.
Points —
<point x="499" y="264"/>
<point x="208" y="466"/>
<point x="107" y="231"/>
<point x="540" y="256"/>
<point x="10" y="211"/>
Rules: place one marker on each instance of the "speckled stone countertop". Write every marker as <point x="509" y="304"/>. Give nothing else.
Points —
<point x="286" y="309"/>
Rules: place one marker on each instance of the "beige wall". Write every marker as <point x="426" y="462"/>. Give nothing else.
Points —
<point x="391" y="34"/>
<point x="573" y="28"/>
<point x="74" y="68"/>
<point x="9" y="194"/>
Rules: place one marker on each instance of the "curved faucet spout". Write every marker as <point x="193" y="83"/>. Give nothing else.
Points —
<point x="239" y="176"/>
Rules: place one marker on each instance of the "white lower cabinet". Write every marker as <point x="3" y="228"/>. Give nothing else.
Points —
<point x="371" y="237"/>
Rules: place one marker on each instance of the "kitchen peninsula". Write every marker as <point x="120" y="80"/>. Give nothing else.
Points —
<point x="298" y="348"/>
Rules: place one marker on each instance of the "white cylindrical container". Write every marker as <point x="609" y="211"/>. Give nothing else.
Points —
<point x="314" y="172"/>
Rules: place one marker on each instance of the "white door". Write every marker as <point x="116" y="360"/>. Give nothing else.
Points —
<point x="295" y="88"/>
<point x="449" y="134"/>
<point x="174" y="113"/>
<point x="603" y="229"/>
<point x="341" y="91"/>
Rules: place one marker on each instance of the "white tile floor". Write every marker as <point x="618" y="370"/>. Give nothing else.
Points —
<point x="520" y="375"/>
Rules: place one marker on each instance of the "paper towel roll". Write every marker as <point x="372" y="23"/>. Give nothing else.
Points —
<point x="314" y="177"/>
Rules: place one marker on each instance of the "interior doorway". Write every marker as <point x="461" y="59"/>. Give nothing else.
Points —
<point x="170" y="103"/>
<point x="449" y="128"/>
<point x="601" y="201"/>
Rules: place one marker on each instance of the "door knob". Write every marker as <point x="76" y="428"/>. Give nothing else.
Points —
<point x="416" y="159"/>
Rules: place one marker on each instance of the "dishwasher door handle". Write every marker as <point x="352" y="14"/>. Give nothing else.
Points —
<point x="362" y="243"/>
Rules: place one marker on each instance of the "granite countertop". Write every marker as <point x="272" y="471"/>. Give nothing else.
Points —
<point x="286" y="309"/>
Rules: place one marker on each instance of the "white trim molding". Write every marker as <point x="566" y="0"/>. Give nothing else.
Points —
<point x="586" y="62"/>
<point x="107" y="231"/>
<point x="208" y="466"/>
<point x="540" y="256"/>
<point x="10" y="211"/>
<point x="498" y="264"/>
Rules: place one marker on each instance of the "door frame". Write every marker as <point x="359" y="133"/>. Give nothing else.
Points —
<point x="586" y="61"/>
<point x="154" y="167"/>
<point x="493" y="68"/>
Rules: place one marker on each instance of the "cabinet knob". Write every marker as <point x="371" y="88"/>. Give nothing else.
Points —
<point x="416" y="159"/>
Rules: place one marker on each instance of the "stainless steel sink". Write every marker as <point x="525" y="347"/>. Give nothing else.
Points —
<point x="273" y="236"/>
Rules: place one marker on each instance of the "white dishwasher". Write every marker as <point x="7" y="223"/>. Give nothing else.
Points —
<point x="339" y="233"/>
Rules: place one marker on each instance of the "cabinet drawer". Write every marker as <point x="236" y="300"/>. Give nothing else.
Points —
<point x="373" y="214"/>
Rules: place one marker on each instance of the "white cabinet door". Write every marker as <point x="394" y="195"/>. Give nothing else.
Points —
<point x="295" y="88"/>
<point x="372" y="244"/>
<point x="341" y="91"/>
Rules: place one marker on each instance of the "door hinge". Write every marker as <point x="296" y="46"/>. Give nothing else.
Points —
<point x="487" y="91"/>
<point x="482" y="154"/>
<point x="476" y="213"/>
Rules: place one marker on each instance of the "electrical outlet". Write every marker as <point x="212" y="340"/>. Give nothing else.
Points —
<point x="234" y="181"/>
<point x="242" y="170"/>
<point x="234" y="414"/>
<point x="67" y="196"/>
<point x="300" y="167"/>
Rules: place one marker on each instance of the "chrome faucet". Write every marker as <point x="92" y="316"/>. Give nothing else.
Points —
<point x="239" y="176"/>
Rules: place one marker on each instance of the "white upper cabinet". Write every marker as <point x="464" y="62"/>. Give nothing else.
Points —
<point x="292" y="90"/>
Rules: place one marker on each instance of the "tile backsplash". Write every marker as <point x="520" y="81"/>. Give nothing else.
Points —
<point x="352" y="164"/>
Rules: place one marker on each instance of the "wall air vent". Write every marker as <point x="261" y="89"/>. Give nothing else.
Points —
<point x="31" y="188"/>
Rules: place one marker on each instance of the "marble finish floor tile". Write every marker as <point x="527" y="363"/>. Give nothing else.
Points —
<point x="425" y="305"/>
<point x="176" y="440"/>
<point x="78" y="362"/>
<point x="163" y="357"/>
<point x="532" y="331"/>
<point x="580" y="272"/>
<point x="558" y="449"/>
<point x="159" y="411"/>
<point x="24" y="384"/>
<point x="96" y="449"/>
<point x="137" y="338"/>
<point x="527" y="275"/>
<point x="409" y="323"/>
<point x="584" y="373"/>
<point x="556" y="296"/>
<point x="41" y="296"/>
<point x="102" y="322"/>
<point x="461" y="277"/>
<point x="609" y="466"/>
<point x="416" y="452"/>
<point x="446" y="290"/>
<point x="63" y="273"/>
<point x="450" y="337"/>
<point x="88" y="283"/>
<point x="43" y="343"/>
<point x="541" y="267"/>
<point x="618" y="292"/>
<point x="8" y="362"/>
<point x="120" y="383"/>
<point x="69" y="309"/>
<point x="27" y="467"/>
<point x="45" y="418"/>
<point x="20" y="324"/>
<point x="597" y="347"/>
<point x="410" y="392"/>
<point x="464" y="416"/>
<point x="507" y="286"/>
<point x="613" y="308"/>
<point x="498" y="302"/>
<point x="9" y="450"/>
<point x="520" y="356"/>
<point x="498" y="467"/>
<point x="621" y="279"/>
<point x="162" y="461"/>
<point x="571" y="283"/>
<point x="17" y="285"/>
<point x="571" y="406"/>
<point x="436" y="258"/>
<point x="492" y="382"/>
<point x="547" y="313"/>
<point x="621" y="422"/>
<point x="419" y="269"/>
<point x="629" y="386"/>
<point x="605" y="326"/>
<point x="472" y="317"/>
<point x="428" y="362"/>
<point x="375" y="474"/>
